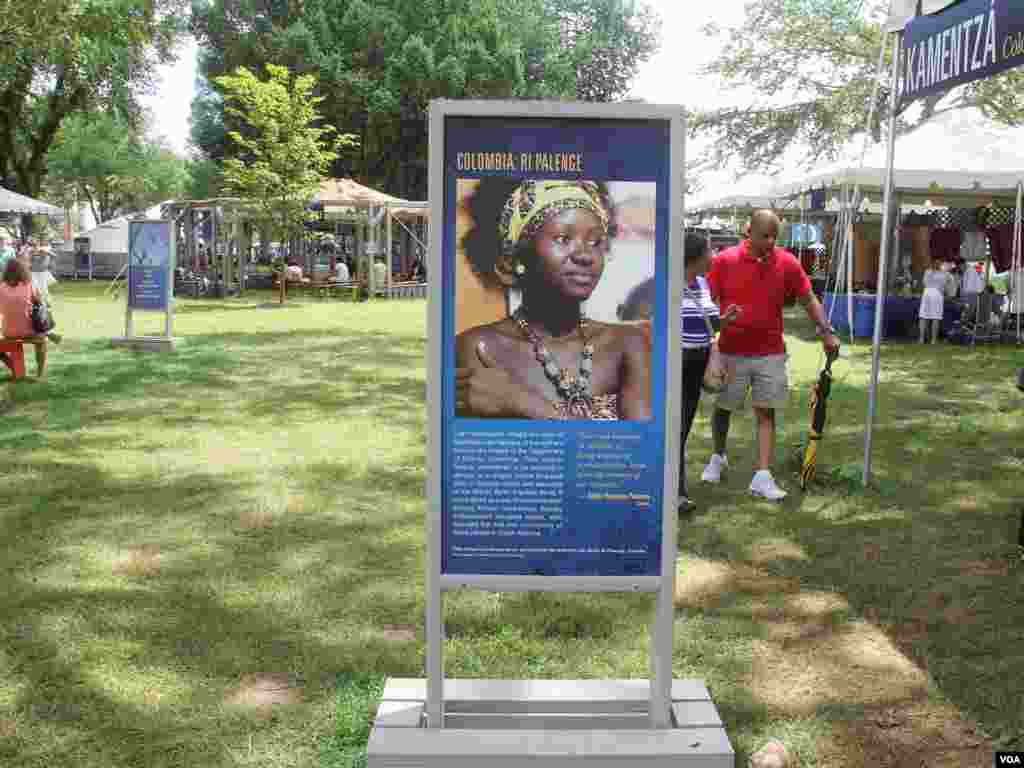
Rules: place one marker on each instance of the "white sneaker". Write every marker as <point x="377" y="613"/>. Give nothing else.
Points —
<point x="713" y="471"/>
<point x="764" y="485"/>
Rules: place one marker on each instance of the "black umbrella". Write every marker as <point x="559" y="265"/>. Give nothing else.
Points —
<point x="819" y="406"/>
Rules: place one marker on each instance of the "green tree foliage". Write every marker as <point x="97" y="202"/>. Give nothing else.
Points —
<point x="813" y="65"/>
<point x="61" y="57"/>
<point x="286" y="150"/>
<point x="205" y="178"/>
<point x="380" y="63"/>
<point x="106" y="163"/>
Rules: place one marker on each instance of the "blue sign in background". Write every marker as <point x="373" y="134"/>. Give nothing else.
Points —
<point x="149" y="264"/>
<point x="960" y="36"/>
<point x="592" y="537"/>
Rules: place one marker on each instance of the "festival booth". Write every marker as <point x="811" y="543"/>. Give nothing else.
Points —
<point x="100" y="252"/>
<point x="367" y="224"/>
<point x="14" y="206"/>
<point x="954" y="42"/>
<point x="808" y="223"/>
<point x="963" y="217"/>
<point x="215" y="241"/>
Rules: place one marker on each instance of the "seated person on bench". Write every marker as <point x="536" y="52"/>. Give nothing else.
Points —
<point x="16" y="294"/>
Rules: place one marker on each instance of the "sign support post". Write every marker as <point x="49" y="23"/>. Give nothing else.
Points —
<point x="151" y="259"/>
<point x="883" y="260"/>
<point x="529" y="500"/>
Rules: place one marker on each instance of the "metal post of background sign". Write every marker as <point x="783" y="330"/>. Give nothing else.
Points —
<point x="519" y="499"/>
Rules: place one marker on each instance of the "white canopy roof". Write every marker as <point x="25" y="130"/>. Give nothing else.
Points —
<point x="942" y="188"/>
<point x="12" y="202"/>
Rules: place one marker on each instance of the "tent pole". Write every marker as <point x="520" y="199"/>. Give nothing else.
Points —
<point x="387" y="247"/>
<point x="883" y="259"/>
<point x="1017" y="268"/>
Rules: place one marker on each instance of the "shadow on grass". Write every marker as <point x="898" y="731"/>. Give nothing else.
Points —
<point x="128" y="574"/>
<point x="318" y="374"/>
<point x="182" y="608"/>
<point x="924" y="555"/>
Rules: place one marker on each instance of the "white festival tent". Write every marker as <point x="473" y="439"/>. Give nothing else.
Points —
<point x="926" y="32"/>
<point x="108" y="244"/>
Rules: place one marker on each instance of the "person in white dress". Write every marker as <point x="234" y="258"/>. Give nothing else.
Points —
<point x="933" y="301"/>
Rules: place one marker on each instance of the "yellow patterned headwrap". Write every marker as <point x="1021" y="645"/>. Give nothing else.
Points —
<point x="533" y="202"/>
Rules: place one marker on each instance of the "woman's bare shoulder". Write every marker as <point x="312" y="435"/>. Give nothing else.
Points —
<point x="486" y="332"/>
<point x="621" y="332"/>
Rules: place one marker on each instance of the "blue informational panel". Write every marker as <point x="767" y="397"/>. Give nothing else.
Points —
<point x="555" y="253"/>
<point x="150" y="265"/>
<point x="968" y="41"/>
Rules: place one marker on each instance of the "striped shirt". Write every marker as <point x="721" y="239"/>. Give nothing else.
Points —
<point x="694" y="330"/>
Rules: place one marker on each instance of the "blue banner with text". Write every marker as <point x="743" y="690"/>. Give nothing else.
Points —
<point x="149" y="265"/>
<point x="969" y="41"/>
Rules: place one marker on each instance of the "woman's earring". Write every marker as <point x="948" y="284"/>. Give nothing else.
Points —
<point x="520" y="269"/>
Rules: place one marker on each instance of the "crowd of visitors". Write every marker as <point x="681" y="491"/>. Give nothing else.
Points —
<point x="25" y="278"/>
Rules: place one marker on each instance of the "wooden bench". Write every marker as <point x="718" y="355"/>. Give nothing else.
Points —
<point x="15" y="351"/>
<point x="408" y="290"/>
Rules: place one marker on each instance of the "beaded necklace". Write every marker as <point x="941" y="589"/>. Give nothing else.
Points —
<point x="575" y="390"/>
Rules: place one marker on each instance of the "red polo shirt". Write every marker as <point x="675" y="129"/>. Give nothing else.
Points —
<point x="760" y="289"/>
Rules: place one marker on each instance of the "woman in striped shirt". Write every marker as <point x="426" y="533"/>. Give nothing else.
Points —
<point x="700" y="318"/>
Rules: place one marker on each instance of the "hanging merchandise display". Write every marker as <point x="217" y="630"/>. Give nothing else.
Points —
<point x="973" y="246"/>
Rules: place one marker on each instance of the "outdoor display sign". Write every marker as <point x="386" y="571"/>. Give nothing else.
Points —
<point x="971" y="40"/>
<point x="546" y="218"/>
<point x="150" y="265"/>
<point x="554" y="364"/>
<point x="150" y="279"/>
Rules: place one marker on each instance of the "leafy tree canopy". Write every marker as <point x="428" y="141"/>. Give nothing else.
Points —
<point x="62" y="57"/>
<point x="286" y="150"/>
<point x="813" y="65"/>
<point x="102" y="160"/>
<point x="379" y="64"/>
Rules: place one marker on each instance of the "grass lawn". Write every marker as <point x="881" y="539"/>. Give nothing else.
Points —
<point x="213" y="558"/>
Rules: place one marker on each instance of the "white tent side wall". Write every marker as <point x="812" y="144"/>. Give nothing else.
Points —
<point x="108" y="244"/>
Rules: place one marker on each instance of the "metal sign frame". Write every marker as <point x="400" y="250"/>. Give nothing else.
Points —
<point x="663" y="585"/>
<point x="168" y="279"/>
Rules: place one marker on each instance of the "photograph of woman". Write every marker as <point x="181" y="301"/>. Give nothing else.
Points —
<point x="546" y="242"/>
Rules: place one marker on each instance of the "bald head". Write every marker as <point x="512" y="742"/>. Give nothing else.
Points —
<point x="763" y="232"/>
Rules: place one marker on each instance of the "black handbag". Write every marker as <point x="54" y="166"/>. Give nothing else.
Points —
<point x="42" y="319"/>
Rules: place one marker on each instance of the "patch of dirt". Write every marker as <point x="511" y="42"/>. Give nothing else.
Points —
<point x="262" y="691"/>
<point x="967" y="504"/>
<point x="872" y="552"/>
<point x="957" y="614"/>
<point x="152" y="697"/>
<point x="872" y="614"/>
<point x="985" y="567"/>
<point x="704" y="583"/>
<point x="776" y="549"/>
<point x="400" y="633"/>
<point x="256" y="519"/>
<point x="226" y="456"/>
<point x="296" y="503"/>
<point x="8" y="728"/>
<point x="937" y="601"/>
<point x="913" y="734"/>
<point x="851" y="664"/>
<point x="140" y="560"/>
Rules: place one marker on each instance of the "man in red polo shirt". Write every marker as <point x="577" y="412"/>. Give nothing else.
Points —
<point x="759" y="279"/>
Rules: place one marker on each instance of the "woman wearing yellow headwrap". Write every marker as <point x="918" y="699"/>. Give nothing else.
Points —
<point x="549" y="239"/>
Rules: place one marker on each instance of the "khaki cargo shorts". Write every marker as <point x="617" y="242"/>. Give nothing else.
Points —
<point x="765" y="377"/>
